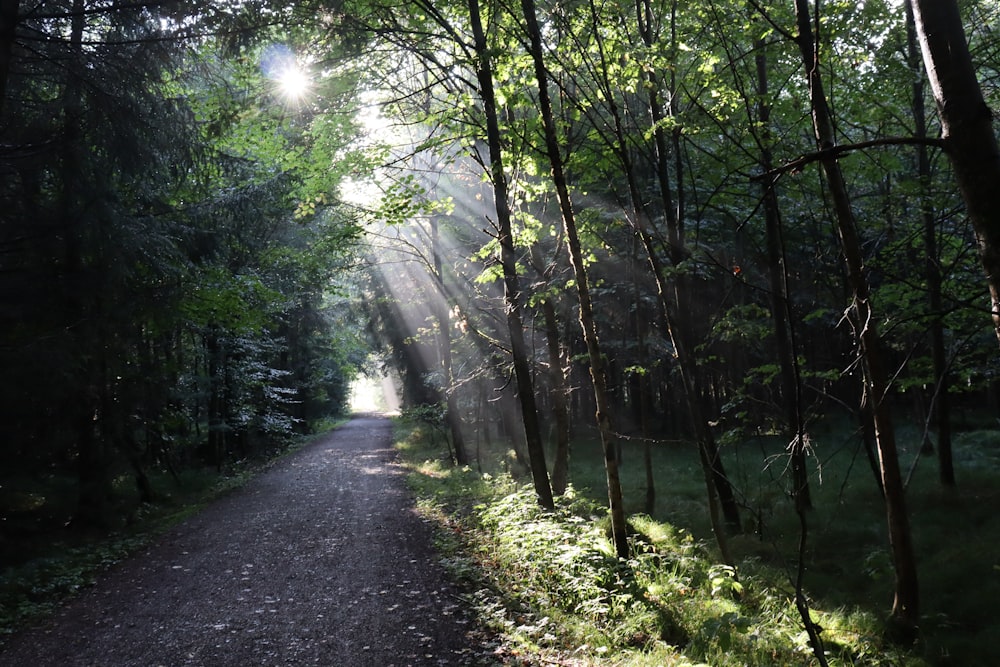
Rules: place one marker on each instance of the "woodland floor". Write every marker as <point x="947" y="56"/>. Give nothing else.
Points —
<point x="319" y="561"/>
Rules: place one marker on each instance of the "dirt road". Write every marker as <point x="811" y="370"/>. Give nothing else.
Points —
<point x="319" y="561"/>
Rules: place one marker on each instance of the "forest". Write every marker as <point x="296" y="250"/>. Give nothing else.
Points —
<point x="592" y="243"/>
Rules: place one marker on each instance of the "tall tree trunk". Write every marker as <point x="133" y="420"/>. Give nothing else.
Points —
<point x="791" y="385"/>
<point x="966" y="128"/>
<point x="95" y="490"/>
<point x="512" y="428"/>
<point x="905" y="608"/>
<point x="557" y="391"/>
<point x="508" y="260"/>
<point x="598" y="374"/>
<point x="940" y="411"/>
<point x="784" y="336"/>
<point x="640" y="398"/>
<point x="415" y="367"/>
<point x="674" y="308"/>
<point x="215" y="360"/>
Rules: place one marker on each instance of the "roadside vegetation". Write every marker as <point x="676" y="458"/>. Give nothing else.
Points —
<point x="549" y="581"/>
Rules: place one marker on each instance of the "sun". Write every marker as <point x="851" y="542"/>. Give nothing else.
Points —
<point x="284" y="70"/>
<point x="293" y="82"/>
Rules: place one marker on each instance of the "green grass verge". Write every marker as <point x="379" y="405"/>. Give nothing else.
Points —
<point x="550" y="585"/>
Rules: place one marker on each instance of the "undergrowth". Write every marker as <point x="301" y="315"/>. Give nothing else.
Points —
<point x="549" y="583"/>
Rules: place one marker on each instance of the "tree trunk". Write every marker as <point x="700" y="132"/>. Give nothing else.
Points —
<point x="640" y="395"/>
<point x="557" y="390"/>
<point x="866" y="427"/>
<point x="905" y="608"/>
<point x="217" y="427"/>
<point x="784" y="336"/>
<point x="777" y="268"/>
<point x="940" y="410"/>
<point x="598" y="374"/>
<point x="142" y="483"/>
<point x="415" y="390"/>
<point x="966" y="128"/>
<point x="513" y="431"/>
<point x="508" y="260"/>
<point x="95" y="489"/>
<point x="709" y="455"/>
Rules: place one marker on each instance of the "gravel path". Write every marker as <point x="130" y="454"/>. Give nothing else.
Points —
<point x="319" y="561"/>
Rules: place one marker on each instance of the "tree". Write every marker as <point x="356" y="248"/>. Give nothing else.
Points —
<point x="905" y="608"/>
<point x="9" y="10"/>
<point x="966" y="128"/>
<point x="87" y="130"/>
<point x="601" y="92"/>
<point x="452" y="54"/>
<point x="512" y="291"/>
<point x="597" y="365"/>
<point x="941" y="400"/>
<point x="148" y="213"/>
<point x="442" y="315"/>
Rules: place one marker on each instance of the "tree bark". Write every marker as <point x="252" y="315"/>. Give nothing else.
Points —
<point x="557" y="391"/>
<point x="777" y="271"/>
<point x="640" y="392"/>
<point x="905" y="608"/>
<point x="218" y="428"/>
<point x="784" y="336"/>
<point x="598" y="374"/>
<point x="940" y="410"/>
<point x="508" y="260"/>
<point x="415" y="391"/>
<point x="966" y="128"/>
<point x="95" y="489"/>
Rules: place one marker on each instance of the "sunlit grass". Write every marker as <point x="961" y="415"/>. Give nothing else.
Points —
<point x="550" y="583"/>
<point x="849" y="571"/>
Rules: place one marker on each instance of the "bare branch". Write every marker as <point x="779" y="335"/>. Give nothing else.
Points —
<point x="835" y="152"/>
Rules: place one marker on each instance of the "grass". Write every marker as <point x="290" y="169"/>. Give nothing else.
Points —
<point x="550" y="584"/>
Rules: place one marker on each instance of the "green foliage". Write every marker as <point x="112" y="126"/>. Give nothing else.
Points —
<point x="173" y="239"/>
<point x="551" y="584"/>
<point x="184" y="233"/>
<point x="238" y="303"/>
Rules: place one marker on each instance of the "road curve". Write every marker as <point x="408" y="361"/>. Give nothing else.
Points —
<point x="319" y="561"/>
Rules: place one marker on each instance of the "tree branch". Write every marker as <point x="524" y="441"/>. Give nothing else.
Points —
<point x="835" y="152"/>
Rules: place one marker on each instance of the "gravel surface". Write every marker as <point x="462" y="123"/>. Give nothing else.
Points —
<point x="319" y="561"/>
